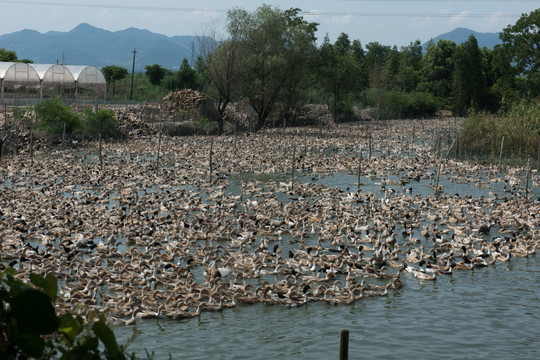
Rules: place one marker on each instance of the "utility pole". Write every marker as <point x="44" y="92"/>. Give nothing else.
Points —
<point x="132" y="75"/>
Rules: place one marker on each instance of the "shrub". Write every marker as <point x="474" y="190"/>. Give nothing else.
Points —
<point x="206" y="125"/>
<point x="52" y="114"/>
<point x="101" y="122"/>
<point x="482" y="133"/>
<point x="421" y="104"/>
<point x="398" y="104"/>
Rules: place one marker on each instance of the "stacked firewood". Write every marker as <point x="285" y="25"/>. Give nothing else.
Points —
<point x="190" y="104"/>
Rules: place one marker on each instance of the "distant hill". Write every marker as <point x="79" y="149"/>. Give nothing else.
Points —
<point x="460" y="35"/>
<point x="88" y="45"/>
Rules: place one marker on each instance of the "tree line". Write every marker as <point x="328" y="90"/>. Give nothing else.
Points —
<point x="271" y="58"/>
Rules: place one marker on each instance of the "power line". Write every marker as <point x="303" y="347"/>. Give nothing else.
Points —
<point x="312" y="12"/>
<point x="400" y="14"/>
<point x="446" y="1"/>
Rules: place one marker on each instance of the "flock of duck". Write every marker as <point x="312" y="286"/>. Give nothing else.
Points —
<point x="148" y="233"/>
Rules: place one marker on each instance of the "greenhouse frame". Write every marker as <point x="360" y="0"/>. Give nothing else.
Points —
<point x="16" y="75"/>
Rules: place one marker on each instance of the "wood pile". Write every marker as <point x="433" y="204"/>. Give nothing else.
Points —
<point x="195" y="103"/>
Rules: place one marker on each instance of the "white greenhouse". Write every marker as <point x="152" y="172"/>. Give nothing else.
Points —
<point x="43" y="76"/>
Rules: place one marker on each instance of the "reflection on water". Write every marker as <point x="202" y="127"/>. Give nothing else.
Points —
<point x="489" y="313"/>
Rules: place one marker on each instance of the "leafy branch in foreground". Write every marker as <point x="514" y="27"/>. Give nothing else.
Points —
<point x="30" y="327"/>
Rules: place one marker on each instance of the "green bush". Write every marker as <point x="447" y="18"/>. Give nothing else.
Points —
<point x="482" y="133"/>
<point x="52" y="114"/>
<point x="206" y="125"/>
<point x="420" y="104"/>
<point x="30" y="327"/>
<point x="101" y="122"/>
<point x="393" y="104"/>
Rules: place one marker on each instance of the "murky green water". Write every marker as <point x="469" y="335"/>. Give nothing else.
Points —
<point x="489" y="313"/>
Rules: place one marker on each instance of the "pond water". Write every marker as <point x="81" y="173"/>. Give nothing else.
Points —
<point x="485" y="313"/>
<point x="489" y="313"/>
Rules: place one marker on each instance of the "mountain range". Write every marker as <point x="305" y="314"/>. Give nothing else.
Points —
<point x="89" y="45"/>
<point x="460" y="35"/>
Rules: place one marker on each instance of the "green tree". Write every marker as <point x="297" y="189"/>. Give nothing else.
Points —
<point x="187" y="76"/>
<point x="7" y="55"/>
<point x="340" y="73"/>
<point x="52" y="115"/>
<point x="411" y="58"/>
<point x="469" y="84"/>
<point x="223" y="73"/>
<point x="437" y="67"/>
<point x="113" y="73"/>
<point x="376" y="55"/>
<point x="503" y="77"/>
<point x="155" y="73"/>
<point x="521" y="42"/>
<point x="275" y="47"/>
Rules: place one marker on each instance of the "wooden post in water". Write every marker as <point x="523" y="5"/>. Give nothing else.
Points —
<point x="210" y="160"/>
<point x="501" y="151"/>
<point x="64" y="135"/>
<point x="293" y="164"/>
<point x="235" y="150"/>
<point x="369" y="145"/>
<point x="100" y="156"/>
<point x="527" y="179"/>
<point x="450" y="148"/>
<point x="344" y="345"/>
<point x="359" y="169"/>
<point x="438" y="175"/>
<point x="159" y="148"/>
<point x="31" y="144"/>
<point x="305" y="143"/>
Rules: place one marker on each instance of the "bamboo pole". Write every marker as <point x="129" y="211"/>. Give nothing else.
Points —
<point x="370" y="140"/>
<point x="438" y="175"/>
<point x="527" y="179"/>
<point x="359" y="169"/>
<point x="450" y="148"/>
<point x="235" y="136"/>
<point x="344" y="345"/>
<point x="210" y="159"/>
<point x="305" y="143"/>
<point x="64" y="135"/>
<point x="159" y="148"/>
<point x="293" y="163"/>
<point x="501" y="151"/>
<point x="100" y="155"/>
<point x="31" y="144"/>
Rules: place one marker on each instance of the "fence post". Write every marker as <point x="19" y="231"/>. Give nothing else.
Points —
<point x="344" y="345"/>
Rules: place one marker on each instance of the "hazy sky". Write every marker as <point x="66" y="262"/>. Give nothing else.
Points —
<point x="395" y="22"/>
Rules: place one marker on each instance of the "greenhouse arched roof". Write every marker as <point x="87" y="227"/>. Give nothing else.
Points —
<point x="47" y="75"/>
<point x="18" y="73"/>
